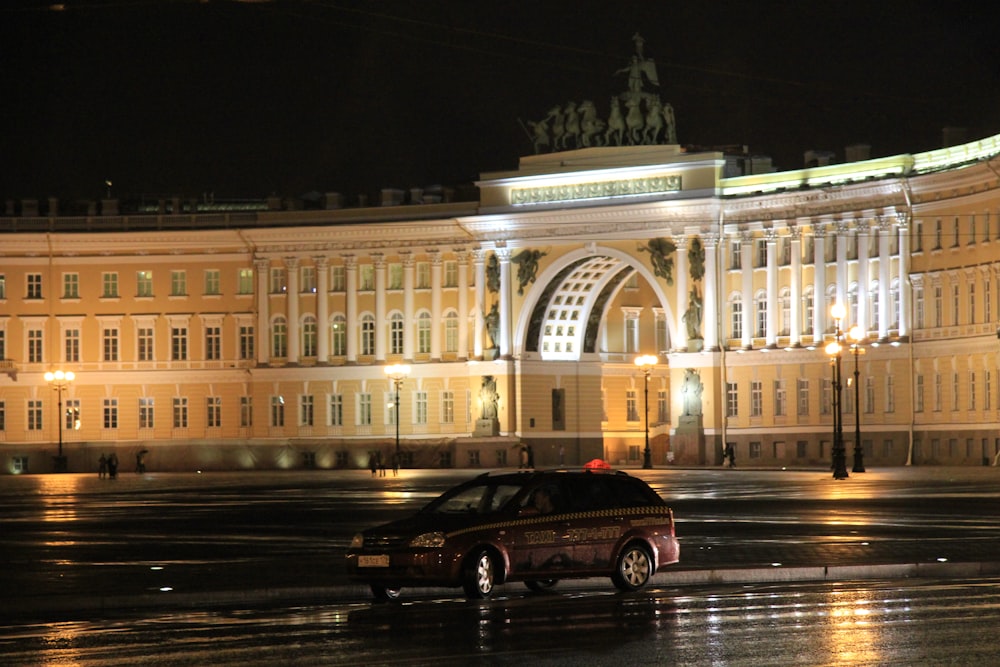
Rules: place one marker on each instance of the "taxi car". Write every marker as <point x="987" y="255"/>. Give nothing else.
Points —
<point x="535" y="527"/>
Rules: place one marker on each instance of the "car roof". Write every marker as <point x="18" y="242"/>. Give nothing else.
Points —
<point x="523" y="476"/>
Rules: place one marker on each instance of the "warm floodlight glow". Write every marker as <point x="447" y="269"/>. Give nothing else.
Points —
<point x="397" y="371"/>
<point x="833" y="348"/>
<point x="838" y="311"/>
<point x="646" y="360"/>
<point x="856" y="333"/>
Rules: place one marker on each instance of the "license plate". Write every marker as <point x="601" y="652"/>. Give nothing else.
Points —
<point x="381" y="560"/>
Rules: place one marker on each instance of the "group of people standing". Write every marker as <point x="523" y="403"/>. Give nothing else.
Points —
<point x="377" y="465"/>
<point x="107" y="466"/>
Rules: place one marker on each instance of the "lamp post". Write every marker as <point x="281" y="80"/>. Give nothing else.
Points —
<point x="397" y="373"/>
<point x="59" y="380"/>
<point x="857" y="335"/>
<point x="834" y="350"/>
<point x="646" y="362"/>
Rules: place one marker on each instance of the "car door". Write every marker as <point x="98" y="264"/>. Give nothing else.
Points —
<point x="540" y="545"/>
<point x="596" y="523"/>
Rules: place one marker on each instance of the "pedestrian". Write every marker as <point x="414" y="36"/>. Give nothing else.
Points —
<point x="102" y="466"/>
<point x="395" y="464"/>
<point x="112" y="466"/>
<point x="562" y="455"/>
<point x="372" y="463"/>
<point x="140" y="465"/>
<point x="523" y="462"/>
<point x="531" y="458"/>
<point x="731" y="454"/>
<point x="381" y="465"/>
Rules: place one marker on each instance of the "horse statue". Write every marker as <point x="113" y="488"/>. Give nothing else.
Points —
<point x="591" y="126"/>
<point x="539" y="133"/>
<point x="558" y="126"/>
<point x="616" y="124"/>
<point x="671" y="131"/>
<point x="634" y="120"/>
<point x="572" y="125"/>
<point x="654" y="122"/>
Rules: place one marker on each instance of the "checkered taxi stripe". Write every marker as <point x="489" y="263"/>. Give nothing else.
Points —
<point x="653" y="515"/>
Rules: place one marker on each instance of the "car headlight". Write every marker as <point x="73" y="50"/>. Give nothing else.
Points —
<point x="435" y="539"/>
<point x="358" y="541"/>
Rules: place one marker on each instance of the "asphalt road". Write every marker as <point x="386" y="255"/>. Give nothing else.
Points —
<point x="75" y="543"/>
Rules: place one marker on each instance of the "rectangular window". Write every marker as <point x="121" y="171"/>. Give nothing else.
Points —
<point x="146" y="412"/>
<point x="756" y="398"/>
<point x="34" y="415"/>
<point x="364" y="409"/>
<point x="246" y="411"/>
<point x="71" y="285"/>
<point x="34" y="286"/>
<point x="306" y="410"/>
<point x="336" y="417"/>
<point x="754" y="452"/>
<point x="338" y="278"/>
<point x="662" y="407"/>
<point x="246" y="341"/>
<point x="178" y="283"/>
<point x="918" y="394"/>
<point x="144" y="343"/>
<point x="420" y="408"/>
<point x="972" y="390"/>
<point x="178" y="343"/>
<point x="732" y="400"/>
<point x="451" y="274"/>
<point x="180" y="412"/>
<point x="110" y="413"/>
<point x="735" y="255"/>
<point x="396" y="276"/>
<point x="279" y="283"/>
<point x="3" y="416"/>
<point x="803" y="397"/>
<point x="937" y="392"/>
<point x="144" y="283"/>
<point x="213" y="411"/>
<point x="244" y="281"/>
<point x="780" y="396"/>
<point x="423" y="275"/>
<point x="109" y="282"/>
<point x="213" y="343"/>
<point x="309" y="279"/>
<point x="110" y="344"/>
<point x="213" y="282"/>
<point x="35" y="346"/>
<point x="277" y="411"/>
<point x="72" y="346"/>
<point x="366" y="275"/>
<point x="448" y="407"/>
<point x="3" y="286"/>
<point x="869" y="395"/>
<point x="631" y="406"/>
<point x="71" y="414"/>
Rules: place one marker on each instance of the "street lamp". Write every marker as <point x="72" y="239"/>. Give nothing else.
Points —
<point x="59" y="380"/>
<point x="834" y="350"/>
<point x="857" y="335"/>
<point x="646" y="362"/>
<point x="397" y="373"/>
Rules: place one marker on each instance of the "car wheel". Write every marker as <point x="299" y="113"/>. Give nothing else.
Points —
<point x="479" y="576"/>
<point x="539" y="585"/>
<point x="385" y="593"/>
<point x="633" y="569"/>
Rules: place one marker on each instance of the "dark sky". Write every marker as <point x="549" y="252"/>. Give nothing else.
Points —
<point x="244" y="99"/>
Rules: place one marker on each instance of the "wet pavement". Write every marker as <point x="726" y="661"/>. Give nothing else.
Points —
<point x="75" y="543"/>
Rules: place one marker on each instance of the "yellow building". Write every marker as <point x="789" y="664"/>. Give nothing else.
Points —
<point x="258" y="338"/>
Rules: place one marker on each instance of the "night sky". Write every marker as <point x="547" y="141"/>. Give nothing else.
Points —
<point x="246" y="99"/>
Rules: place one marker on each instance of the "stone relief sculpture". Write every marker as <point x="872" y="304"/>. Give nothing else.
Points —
<point x="527" y="267"/>
<point x="645" y="120"/>
<point x="492" y="319"/>
<point x="692" y="390"/>
<point x="692" y="316"/>
<point x="660" y="251"/>
<point x="488" y="398"/>
<point x="696" y="259"/>
<point x="493" y="274"/>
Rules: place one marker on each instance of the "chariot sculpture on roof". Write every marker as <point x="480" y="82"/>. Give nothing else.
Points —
<point x="635" y="117"/>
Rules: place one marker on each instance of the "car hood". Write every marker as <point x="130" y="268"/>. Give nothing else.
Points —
<point x="420" y="523"/>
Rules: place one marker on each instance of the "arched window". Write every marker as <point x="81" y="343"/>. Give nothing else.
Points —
<point x="736" y="312"/>
<point x="339" y="332"/>
<point x="451" y="331"/>
<point x="785" y="300"/>
<point x="367" y="334"/>
<point x="424" y="333"/>
<point x="809" y="304"/>
<point x="279" y="337"/>
<point x="761" y="311"/>
<point x="396" y="334"/>
<point x="309" y="336"/>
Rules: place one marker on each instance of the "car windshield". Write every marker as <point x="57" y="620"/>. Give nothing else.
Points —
<point x="486" y="497"/>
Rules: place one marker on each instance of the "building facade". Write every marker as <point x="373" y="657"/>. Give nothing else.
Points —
<point x="258" y="339"/>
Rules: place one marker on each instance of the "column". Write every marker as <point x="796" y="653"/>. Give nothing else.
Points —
<point x="409" y="323"/>
<point x="479" y="262"/>
<point x="746" y="273"/>
<point x="322" y="309"/>
<point x="819" y="281"/>
<point x="381" y="323"/>
<point x="292" y="266"/>
<point x="795" y="280"/>
<point x="436" y="319"/>
<point x="352" y="325"/>
<point x="503" y="255"/>
<point x="771" y="277"/>
<point x="884" y="280"/>
<point x="842" y="232"/>
<point x="864" y="279"/>
<point x="905" y="315"/>
<point x="263" y="334"/>
<point x="463" y="304"/>
<point x="682" y="291"/>
<point x="710" y="302"/>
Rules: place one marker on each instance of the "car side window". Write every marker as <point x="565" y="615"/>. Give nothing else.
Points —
<point x="633" y="493"/>
<point x="591" y="492"/>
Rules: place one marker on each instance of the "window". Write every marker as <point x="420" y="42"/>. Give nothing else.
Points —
<point x="918" y="394"/>
<point x="396" y="334"/>
<point x="213" y="282"/>
<point x="987" y="391"/>
<point x="424" y="333"/>
<point x="309" y="336"/>
<point x="972" y="390"/>
<point x="3" y="286"/>
<point x="279" y="338"/>
<point x="368" y="334"/>
<point x="178" y="283"/>
<point x="785" y="302"/>
<point x="662" y="407"/>
<point x="278" y="280"/>
<point x="246" y="411"/>
<point x="180" y="412"/>
<point x="736" y="322"/>
<point x="756" y="398"/>
<point x="246" y="341"/>
<point x="448" y="407"/>
<point x="35" y="346"/>
<point x="72" y="345"/>
<point x="451" y="274"/>
<point x="306" y="410"/>
<point x="144" y="284"/>
<point x="364" y="409"/>
<point x="3" y="416"/>
<point x="277" y="411"/>
<point x="396" y="276"/>
<point x="338" y="279"/>
<point x="110" y="343"/>
<point x="761" y="246"/>
<point x="178" y="343"/>
<point x="937" y="392"/>
<point x="146" y="412"/>
<point x="109" y="283"/>
<point x="244" y="281"/>
<point x="213" y="343"/>
<point x="144" y="343"/>
<point x="309" y="279"/>
<point x="34" y="415"/>
<point x="420" y="408"/>
<point x="918" y="306"/>
<point x="754" y="452"/>
<point x="735" y="255"/>
<point x="780" y="395"/>
<point x="869" y="395"/>
<point x="423" y="275"/>
<point x="71" y="285"/>
<point x="110" y="413"/>
<point x="732" y="400"/>
<point x="339" y="333"/>
<point x="3" y="344"/>
<point x="366" y="278"/>
<point x="631" y="332"/>
<point x="34" y="286"/>
<point x="761" y="325"/>
<point x="336" y="417"/>
<point x="213" y="411"/>
<point x="451" y="332"/>
<point x="631" y="406"/>
<point x="803" y="397"/>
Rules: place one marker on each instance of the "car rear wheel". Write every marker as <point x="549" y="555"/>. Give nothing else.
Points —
<point x="633" y="569"/>
<point x="479" y="575"/>
<point x="539" y="585"/>
<point x="384" y="593"/>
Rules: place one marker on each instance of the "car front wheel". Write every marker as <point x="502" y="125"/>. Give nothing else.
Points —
<point x="479" y="575"/>
<point x="384" y="593"/>
<point x="633" y="569"/>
